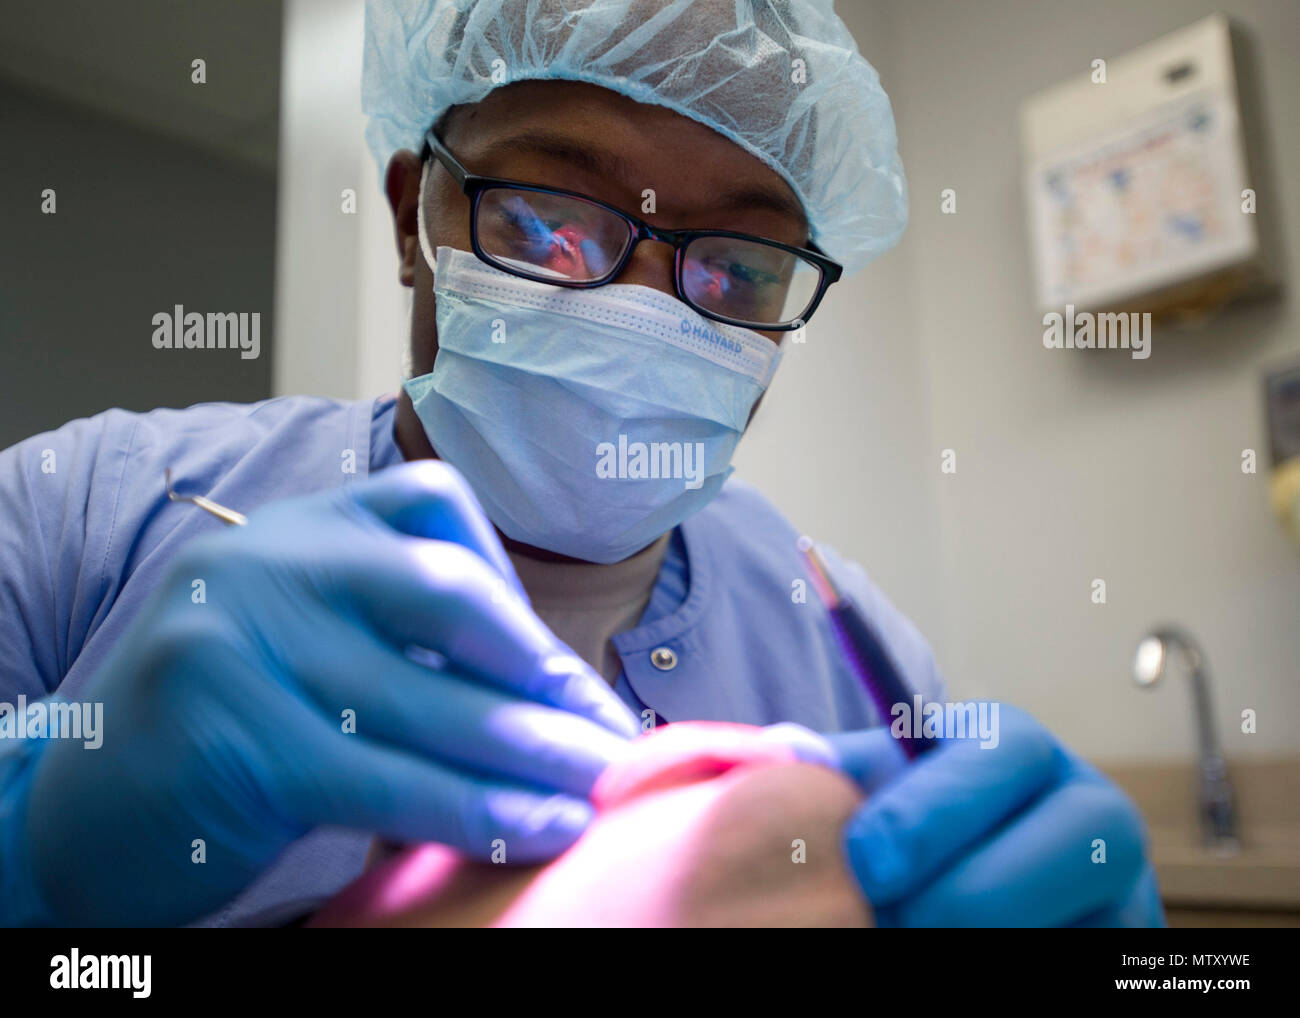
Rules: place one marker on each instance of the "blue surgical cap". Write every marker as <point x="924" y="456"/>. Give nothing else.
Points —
<point x="783" y="79"/>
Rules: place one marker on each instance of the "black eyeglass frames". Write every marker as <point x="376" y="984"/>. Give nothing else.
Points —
<point x="562" y="237"/>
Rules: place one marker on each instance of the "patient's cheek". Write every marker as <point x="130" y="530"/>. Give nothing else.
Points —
<point x="706" y="825"/>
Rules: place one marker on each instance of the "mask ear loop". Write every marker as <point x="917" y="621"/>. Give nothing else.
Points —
<point x="423" y="234"/>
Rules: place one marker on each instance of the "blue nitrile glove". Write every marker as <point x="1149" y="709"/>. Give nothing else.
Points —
<point x="1004" y="836"/>
<point x="225" y="721"/>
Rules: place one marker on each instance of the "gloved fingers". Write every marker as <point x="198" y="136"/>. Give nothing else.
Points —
<point x="871" y="756"/>
<point x="946" y="801"/>
<point x="1044" y="868"/>
<point x="430" y="498"/>
<point x="444" y="597"/>
<point x="460" y="722"/>
<point x="807" y="745"/>
<point x="1144" y="907"/>
<point x="352" y="782"/>
<point x="1141" y="909"/>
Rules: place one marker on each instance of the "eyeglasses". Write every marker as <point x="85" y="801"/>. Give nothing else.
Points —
<point x="561" y="237"/>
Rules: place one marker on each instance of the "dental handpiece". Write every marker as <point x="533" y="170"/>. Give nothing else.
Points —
<point x="864" y="649"/>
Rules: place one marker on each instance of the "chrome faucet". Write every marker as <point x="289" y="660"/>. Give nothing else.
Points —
<point x="1214" y="793"/>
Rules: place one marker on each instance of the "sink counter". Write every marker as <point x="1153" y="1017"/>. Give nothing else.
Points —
<point x="1262" y="876"/>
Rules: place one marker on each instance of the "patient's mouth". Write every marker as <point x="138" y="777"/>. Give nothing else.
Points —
<point x="682" y="753"/>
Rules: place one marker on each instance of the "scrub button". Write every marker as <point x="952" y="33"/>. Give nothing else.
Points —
<point x="663" y="658"/>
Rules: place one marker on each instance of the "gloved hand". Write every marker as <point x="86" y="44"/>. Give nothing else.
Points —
<point x="1004" y="836"/>
<point x="225" y="721"/>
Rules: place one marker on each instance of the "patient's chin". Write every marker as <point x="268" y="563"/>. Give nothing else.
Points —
<point x="770" y="851"/>
<point x="702" y="824"/>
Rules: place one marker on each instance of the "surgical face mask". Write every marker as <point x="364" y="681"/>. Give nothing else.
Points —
<point x="588" y="422"/>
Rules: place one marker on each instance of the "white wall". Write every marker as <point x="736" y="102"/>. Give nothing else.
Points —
<point x="342" y="319"/>
<point x="1073" y="466"/>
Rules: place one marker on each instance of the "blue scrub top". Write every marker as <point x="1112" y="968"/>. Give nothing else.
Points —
<point x="86" y="531"/>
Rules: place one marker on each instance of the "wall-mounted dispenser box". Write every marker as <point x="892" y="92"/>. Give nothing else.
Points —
<point x="1143" y="179"/>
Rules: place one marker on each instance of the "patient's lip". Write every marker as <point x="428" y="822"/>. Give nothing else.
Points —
<point x="682" y="753"/>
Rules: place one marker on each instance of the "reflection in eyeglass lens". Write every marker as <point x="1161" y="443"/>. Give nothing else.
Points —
<point x="551" y="235"/>
<point x="748" y="281"/>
